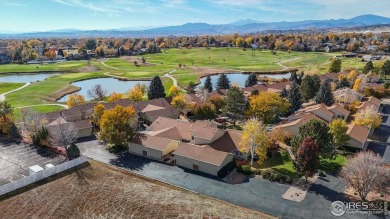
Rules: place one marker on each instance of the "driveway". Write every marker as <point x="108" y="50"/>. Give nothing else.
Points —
<point x="255" y="193"/>
<point x="381" y="135"/>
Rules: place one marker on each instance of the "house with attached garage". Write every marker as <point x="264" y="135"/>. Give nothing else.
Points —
<point x="199" y="146"/>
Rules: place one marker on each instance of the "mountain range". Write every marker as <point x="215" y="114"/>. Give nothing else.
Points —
<point x="190" y="29"/>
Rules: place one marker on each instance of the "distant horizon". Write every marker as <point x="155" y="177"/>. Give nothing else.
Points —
<point x="47" y="15"/>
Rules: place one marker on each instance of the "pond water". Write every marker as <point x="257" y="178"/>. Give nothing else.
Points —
<point x="241" y="78"/>
<point x="25" y="77"/>
<point x="109" y="84"/>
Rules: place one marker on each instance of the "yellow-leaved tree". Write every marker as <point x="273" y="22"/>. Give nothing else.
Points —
<point x="338" y="128"/>
<point x="173" y="91"/>
<point x="358" y="84"/>
<point x="74" y="100"/>
<point x="368" y="117"/>
<point x="268" y="106"/>
<point x="117" y="125"/>
<point x="135" y="94"/>
<point x="114" y="97"/>
<point x="179" y="102"/>
<point x="98" y="112"/>
<point x="256" y="139"/>
<point x="352" y="76"/>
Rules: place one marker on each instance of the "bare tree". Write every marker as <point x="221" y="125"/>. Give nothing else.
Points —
<point x="62" y="134"/>
<point x="365" y="172"/>
<point x="97" y="92"/>
<point x="31" y="120"/>
<point x="202" y="93"/>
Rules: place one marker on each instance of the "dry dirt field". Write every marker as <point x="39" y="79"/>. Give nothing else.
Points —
<point x="101" y="191"/>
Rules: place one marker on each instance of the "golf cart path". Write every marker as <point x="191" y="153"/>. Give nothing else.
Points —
<point x="2" y="96"/>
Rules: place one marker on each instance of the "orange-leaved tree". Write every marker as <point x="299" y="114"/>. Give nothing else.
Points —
<point x="74" y="100"/>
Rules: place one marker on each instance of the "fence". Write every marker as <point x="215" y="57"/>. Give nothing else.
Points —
<point x="12" y="186"/>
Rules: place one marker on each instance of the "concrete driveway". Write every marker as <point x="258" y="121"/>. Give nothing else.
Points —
<point x="255" y="193"/>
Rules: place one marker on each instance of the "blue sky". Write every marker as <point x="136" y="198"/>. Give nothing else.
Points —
<point x="41" y="15"/>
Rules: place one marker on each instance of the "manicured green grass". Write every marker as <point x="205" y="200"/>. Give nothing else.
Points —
<point x="39" y="109"/>
<point x="44" y="91"/>
<point x="5" y="87"/>
<point x="61" y="66"/>
<point x="184" y="79"/>
<point x="332" y="166"/>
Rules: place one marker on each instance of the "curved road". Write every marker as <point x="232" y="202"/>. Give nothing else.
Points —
<point x="2" y="96"/>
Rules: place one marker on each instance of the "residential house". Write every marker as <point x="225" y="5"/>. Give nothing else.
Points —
<point x="153" y="147"/>
<point x="327" y="113"/>
<point x="295" y="121"/>
<point x="358" y="136"/>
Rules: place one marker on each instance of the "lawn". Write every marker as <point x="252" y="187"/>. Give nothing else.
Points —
<point x="5" y="87"/>
<point x="60" y="66"/>
<point x="102" y="191"/>
<point x="282" y="163"/>
<point x="39" y="109"/>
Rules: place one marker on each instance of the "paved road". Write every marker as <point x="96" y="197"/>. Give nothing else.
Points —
<point x="2" y="96"/>
<point x="45" y="104"/>
<point x="256" y="193"/>
<point x="381" y="135"/>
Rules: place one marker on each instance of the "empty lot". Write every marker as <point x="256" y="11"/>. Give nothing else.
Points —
<point x="102" y="191"/>
<point x="16" y="158"/>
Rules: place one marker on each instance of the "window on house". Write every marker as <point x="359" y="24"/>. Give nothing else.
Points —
<point x="145" y="153"/>
<point x="195" y="167"/>
<point x="192" y="137"/>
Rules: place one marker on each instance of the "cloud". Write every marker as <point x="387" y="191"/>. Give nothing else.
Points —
<point x="14" y="4"/>
<point x="89" y="6"/>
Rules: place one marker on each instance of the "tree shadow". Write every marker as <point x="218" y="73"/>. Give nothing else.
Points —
<point x="330" y="168"/>
<point x="327" y="193"/>
<point x="131" y="162"/>
<point x="46" y="153"/>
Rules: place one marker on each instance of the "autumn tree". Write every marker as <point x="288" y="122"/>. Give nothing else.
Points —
<point x="358" y="85"/>
<point x="31" y="120"/>
<point x="365" y="172"/>
<point x="75" y="100"/>
<point x="255" y="137"/>
<point x="218" y="102"/>
<point x="208" y="85"/>
<point x="205" y="111"/>
<point x="294" y="97"/>
<point x="117" y="125"/>
<point x="268" y="107"/>
<point x="156" y="89"/>
<point x="352" y="75"/>
<point x="191" y="87"/>
<point x="6" y="118"/>
<point x="325" y="94"/>
<point x="368" y="117"/>
<point x="320" y="132"/>
<point x="338" y="128"/>
<point x="135" y="94"/>
<point x="114" y="97"/>
<point x="223" y="82"/>
<point x="335" y="65"/>
<point x="98" y="112"/>
<point x="310" y="86"/>
<point x="235" y="104"/>
<point x="251" y="80"/>
<point x="173" y="91"/>
<point x="141" y="87"/>
<point x="97" y="92"/>
<point x="307" y="157"/>
<point x="179" y="102"/>
<point x="368" y="67"/>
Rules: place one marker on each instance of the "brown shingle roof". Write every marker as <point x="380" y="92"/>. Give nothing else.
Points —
<point x="162" y="123"/>
<point x="229" y="142"/>
<point x="358" y="132"/>
<point x="153" y="142"/>
<point x="339" y="109"/>
<point x="71" y="113"/>
<point x="375" y="101"/>
<point x="82" y="124"/>
<point x="204" y="129"/>
<point x="202" y="153"/>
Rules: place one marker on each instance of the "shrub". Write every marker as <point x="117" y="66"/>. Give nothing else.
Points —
<point x="72" y="152"/>
<point x="266" y="174"/>
<point x="244" y="169"/>
<point x="258" y="171"/>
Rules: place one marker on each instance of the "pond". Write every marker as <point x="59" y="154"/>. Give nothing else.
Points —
<point x="241" y="78"/>
<point x="109" y="84"/>
<point x="25" y="77"/>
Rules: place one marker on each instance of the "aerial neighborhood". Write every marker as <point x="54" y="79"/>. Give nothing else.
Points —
<point x="243" y="120"/>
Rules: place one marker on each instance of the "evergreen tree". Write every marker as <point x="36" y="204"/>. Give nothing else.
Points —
<point x="191" y="87"/>
<point x="309" y="87"/>
<point x="251" y="80"/>
<point x="335" y="66"/>
<point x="156" y="89"/>
<point x="255" y="92"/>
<point x="284" y="93"/>
<point x="386" y="68"/>
<point x="325" y="94"/>
<point x="343" y="83"/>
<point x="72" y="151"/>
<point x="300" y="78"/>
<point x="307" y="157"/>
<point x="320" y="133"/>
<point x="223" y="82"/>
<point x="368" y="67"/>
<point x="293" y="76"/>
<point x="208" y="85"/>
<point x="235" y="104"/>
<point x="294" y="97"/>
